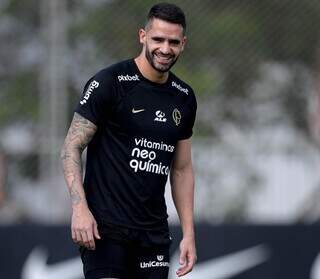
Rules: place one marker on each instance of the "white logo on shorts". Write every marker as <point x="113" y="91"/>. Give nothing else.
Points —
<point x="158" y="263"/>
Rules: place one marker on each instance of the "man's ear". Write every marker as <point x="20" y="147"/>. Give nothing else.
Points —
<point x="184" y="41"/>
<point x="142" y="36"/>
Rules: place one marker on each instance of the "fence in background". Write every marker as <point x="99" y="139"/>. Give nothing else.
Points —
<point x="254" y="66"/>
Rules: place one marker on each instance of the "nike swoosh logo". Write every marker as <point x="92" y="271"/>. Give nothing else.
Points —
<point x="223" y="267"/>
<point x="315" y="269"/>
<point x="36" y="267"/>
<point x="137" y="110"/>
<point x="227" y="266"/>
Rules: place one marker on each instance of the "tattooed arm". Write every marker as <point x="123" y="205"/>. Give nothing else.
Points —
<point x="83" y="225"/>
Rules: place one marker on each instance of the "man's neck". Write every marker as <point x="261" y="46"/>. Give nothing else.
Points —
<point x="148" y="71"/>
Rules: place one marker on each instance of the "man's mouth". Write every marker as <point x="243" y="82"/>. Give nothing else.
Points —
<point x="163" y="59"/>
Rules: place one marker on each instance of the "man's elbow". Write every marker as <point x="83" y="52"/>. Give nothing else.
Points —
<point x="181" y="171"/>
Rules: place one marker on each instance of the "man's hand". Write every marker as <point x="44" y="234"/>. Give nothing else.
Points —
<point x="188" y="256"/>
<point x="84" y="228"/>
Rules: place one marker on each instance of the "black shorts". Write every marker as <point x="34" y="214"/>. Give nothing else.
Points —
<point x="128" y="254"/>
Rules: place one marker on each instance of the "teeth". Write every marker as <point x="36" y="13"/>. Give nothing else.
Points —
<point x="164" y="57"/>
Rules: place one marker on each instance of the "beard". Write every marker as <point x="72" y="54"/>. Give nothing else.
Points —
<point x="160" y="67"/>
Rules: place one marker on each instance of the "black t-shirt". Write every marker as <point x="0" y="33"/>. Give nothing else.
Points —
<point x="128" y="160"/>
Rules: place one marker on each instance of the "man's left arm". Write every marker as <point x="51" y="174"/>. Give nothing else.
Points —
<point x="182" y="188"/>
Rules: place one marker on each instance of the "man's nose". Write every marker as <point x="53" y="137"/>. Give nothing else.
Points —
<point x="165" y="48"/>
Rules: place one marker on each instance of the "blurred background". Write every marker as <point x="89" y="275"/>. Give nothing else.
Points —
<point x="255" y="68"/>
<point x="254" y="65"/>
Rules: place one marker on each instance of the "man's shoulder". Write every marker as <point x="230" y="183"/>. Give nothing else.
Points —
<point x="121" y="72"/>
<point x="181" y="86"/>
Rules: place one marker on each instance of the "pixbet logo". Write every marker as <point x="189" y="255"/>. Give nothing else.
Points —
<point x="128" y="78"/>
<point x="94" y="84"/>
<point x="179" y="87"/>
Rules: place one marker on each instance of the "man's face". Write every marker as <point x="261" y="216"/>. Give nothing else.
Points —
<point x="163" y="42"/>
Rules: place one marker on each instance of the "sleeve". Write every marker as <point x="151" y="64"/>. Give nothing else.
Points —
<point x="98" y="98"/>
<point x="187" y="131"/>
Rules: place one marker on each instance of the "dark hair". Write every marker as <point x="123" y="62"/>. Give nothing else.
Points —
<point x="167" y="12"/>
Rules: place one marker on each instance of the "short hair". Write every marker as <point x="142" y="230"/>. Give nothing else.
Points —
<point x="167" y="12"/>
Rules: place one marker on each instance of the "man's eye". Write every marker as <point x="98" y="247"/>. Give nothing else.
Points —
<point x="174" y="42"/>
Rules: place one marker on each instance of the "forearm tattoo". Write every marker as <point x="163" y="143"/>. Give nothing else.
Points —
<point x="79" y="135"/>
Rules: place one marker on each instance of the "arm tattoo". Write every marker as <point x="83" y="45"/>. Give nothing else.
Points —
<point x="82" y="130"/>
<point x="74" y="195"/>
<point x="79" y="135"/>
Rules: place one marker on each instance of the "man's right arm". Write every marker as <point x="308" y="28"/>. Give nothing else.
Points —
<point x="83" y="225"/>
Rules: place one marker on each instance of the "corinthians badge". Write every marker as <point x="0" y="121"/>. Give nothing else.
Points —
<point x="176" y="115"/>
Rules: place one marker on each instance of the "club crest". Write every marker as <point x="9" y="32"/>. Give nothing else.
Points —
<point x="176" y="115"/>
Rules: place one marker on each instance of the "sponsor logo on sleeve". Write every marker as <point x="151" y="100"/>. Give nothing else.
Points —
<point x="180" y="88"/>
<point x="93" y="85"/>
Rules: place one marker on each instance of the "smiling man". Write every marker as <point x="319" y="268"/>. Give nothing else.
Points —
<point x="136" y="118"/>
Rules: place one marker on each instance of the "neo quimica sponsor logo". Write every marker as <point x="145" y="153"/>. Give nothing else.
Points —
<point x="144" y="156"/>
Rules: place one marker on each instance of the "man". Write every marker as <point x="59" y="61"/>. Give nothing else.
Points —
<point x="136" y="118"/>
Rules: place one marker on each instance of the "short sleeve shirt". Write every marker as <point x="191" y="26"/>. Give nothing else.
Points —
<point x="128" y="160"/>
